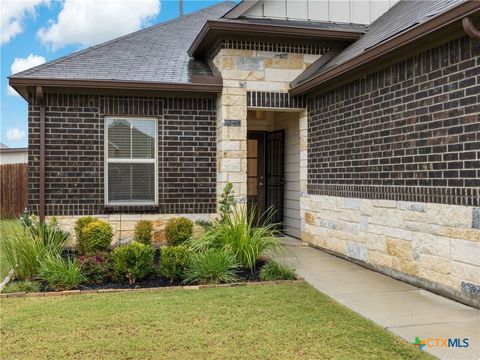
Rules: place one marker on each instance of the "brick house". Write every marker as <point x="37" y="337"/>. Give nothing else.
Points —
<point x="359" y="124"/>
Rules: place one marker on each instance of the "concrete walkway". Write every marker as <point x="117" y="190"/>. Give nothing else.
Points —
<point x="401" y="308"/>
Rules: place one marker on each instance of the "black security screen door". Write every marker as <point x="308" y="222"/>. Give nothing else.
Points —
<point x="265" y="173"/>
<point x="275" y="180"/>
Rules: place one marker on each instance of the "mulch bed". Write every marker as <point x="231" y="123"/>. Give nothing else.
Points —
<point x="156" y="281"/>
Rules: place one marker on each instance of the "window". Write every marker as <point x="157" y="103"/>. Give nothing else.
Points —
<point x="131" y="161"/>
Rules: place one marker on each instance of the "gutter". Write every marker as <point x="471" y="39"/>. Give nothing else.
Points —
<point x="470" y="29"/>
<point x="41" y="101"/>
<point x="395" y="44"/>
<point x="214" y="28"/>
<point x="200" y="83"/>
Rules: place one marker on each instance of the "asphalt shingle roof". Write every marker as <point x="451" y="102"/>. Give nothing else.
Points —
<point x="400" y="18"/>
<point x="155" y="54"/>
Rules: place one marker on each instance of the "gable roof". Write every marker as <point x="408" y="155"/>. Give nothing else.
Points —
<point x="272" y="30"/>
<point x="405" y="22"/>
<point x="157" y="54"/>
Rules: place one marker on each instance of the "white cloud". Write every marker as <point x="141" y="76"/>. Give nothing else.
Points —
<point x="15" y="134"/>
<point x="13" y="14"/>
<point x="20" y="64"/>
<point x="88" y="22"/>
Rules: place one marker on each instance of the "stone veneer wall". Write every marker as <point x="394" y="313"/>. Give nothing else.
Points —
<point x="250" y="70"/>
<point x="394" y="168"/>
<point x="74" y="150"/>
<point x="431" y="245"/>
<point x="123" y="225"/>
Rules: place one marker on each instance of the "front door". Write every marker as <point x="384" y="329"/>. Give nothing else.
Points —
<point x="265" y="173"/>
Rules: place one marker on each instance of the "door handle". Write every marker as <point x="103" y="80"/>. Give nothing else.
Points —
<point x="260" y="184"/>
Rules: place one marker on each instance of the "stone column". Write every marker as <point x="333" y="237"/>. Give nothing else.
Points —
<point x="232" y="140"/>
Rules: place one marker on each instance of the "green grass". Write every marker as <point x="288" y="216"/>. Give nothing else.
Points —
<point x="6" y="226"/>
<point x="288" y="321"/>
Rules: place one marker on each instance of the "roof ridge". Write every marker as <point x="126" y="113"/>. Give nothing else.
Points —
<point x="112" y="41"/>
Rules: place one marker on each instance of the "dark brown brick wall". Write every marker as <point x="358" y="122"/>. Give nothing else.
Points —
<point x="408" y="132"/>
<point x="75" y="153"/>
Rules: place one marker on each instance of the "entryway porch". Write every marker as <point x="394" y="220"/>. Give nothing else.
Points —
<point x="273" y="166"/>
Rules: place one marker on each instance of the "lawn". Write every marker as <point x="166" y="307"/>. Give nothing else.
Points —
<point x="288" y="321"/>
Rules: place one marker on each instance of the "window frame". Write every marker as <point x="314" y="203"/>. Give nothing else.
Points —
<point x="107" y="160"/>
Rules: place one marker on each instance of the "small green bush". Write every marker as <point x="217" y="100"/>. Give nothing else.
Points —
<point x="97" y="236"/>
<point x="174" y="261"/>
<point x="21" y="286"/>
<point x="133" y="262"/>
<point x="143" y="232"/>
<point x="60" y="274"/>
<point x="212" y="267"/>
<point x="275" y="271"/>
<point x="178" y="230"/>
<point x="98" y="267"/>
<point x="80" y="226"/>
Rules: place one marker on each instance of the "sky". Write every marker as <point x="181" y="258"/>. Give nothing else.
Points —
<point x="37" y="31"/>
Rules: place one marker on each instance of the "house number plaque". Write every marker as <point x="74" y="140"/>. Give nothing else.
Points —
<point x="231" y="122"/>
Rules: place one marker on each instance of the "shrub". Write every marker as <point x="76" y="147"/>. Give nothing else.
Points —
<point x="275" y="271"/>
<point x="174" y="261"/>
<point x="133" y="261"/>
<point x="80" y="226"/>
<point x="21" y="286"/>
<point x="97" y="267"/>
<point x="143" y="232"/>
<point x="212" y="267"/>
<point x="97" y="236"/>
<point x="227" y="201"/>
<point x="239" y="235"/>
<point x="178" y="230"/>
<point x="60" y="274"/>
<point x="24" y="247"/>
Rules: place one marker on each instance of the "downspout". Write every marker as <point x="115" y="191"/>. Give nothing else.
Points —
<point x="470" y="29"/>
<point x="41" y="102"/>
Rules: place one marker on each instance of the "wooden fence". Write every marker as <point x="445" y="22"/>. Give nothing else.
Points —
<point x="13" y="190"/>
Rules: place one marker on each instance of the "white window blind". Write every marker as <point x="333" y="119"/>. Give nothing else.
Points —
<point x="131" y="164"/>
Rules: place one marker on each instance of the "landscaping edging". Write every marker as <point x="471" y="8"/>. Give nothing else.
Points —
<point x="153" y="289"/>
